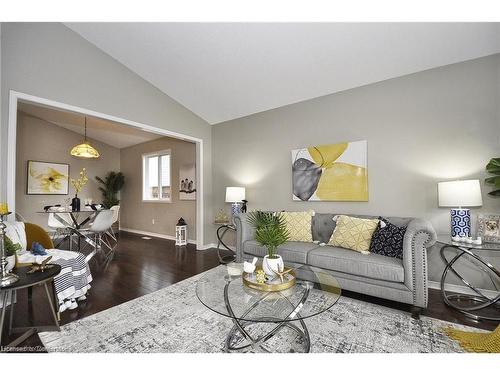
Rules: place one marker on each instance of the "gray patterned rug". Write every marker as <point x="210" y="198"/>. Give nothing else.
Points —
<point x="173" y="320"/>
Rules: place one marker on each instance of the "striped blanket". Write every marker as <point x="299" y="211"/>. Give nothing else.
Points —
<point x="74" y="279"/>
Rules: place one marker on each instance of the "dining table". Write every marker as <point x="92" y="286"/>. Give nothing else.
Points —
<point x="75" y="226"/>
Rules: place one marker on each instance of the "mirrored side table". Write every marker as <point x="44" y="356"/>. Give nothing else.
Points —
<point x="477" y="305"/>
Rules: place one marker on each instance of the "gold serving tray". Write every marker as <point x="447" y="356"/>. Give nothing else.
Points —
<point x="270" y="286"/>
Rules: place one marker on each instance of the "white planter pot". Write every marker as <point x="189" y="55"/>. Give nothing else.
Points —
<point x="269" y="265"/>
<point x="11" y="262"/>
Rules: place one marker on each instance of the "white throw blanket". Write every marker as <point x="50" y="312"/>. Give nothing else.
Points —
<point x="74" y="279"/>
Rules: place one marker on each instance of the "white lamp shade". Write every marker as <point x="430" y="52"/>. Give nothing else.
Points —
<point x="464" y="193"/>
<point x="235" y="194"/>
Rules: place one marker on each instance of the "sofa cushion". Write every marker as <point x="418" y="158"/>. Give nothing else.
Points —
<point x="369" y="265"/>
<point x="353" y="233"/>
<point x="322" y="227"/>
<point x="388" y="240"/>
<point x="291" y="251"/>
<point x="298" y="225"/>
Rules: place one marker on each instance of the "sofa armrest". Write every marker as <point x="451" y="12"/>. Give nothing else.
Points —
<point x="244" y="232"/>
<point x="418" y="237"/>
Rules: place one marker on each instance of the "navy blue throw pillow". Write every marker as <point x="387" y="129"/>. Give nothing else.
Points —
<point x="388" y="241"/>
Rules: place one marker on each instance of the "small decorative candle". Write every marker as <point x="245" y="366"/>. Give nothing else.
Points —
<point x="4" y="208"/>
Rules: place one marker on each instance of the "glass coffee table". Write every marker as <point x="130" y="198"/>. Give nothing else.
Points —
<point x="267" y="321"/>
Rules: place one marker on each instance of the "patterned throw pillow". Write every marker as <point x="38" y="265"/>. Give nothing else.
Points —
<point x="353" y="233"/>
<point x="388" y="241"/>
<point x="298" y="225"/>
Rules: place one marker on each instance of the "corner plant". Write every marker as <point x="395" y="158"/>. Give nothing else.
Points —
<point x="493" y="167"/>
<point x="270" y="230"/>
<point x="111" y="185"/>
<point x="10" y="247"/>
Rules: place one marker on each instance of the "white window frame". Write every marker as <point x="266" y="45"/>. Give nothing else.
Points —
<point x="145" y="176"/>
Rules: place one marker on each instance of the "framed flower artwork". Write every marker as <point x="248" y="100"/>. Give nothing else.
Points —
<point x="45" y="178"/>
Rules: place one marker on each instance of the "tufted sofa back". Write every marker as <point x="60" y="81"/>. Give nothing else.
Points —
<point x="323" y="224"/>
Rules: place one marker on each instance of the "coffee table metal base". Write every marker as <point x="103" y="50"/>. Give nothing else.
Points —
<point x="238" y="341"/>
<point x="241" y="337"/>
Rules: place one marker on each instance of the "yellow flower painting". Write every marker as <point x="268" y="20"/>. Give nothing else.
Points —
<point x="336" y="172"/>
<point x="47" y="178"/>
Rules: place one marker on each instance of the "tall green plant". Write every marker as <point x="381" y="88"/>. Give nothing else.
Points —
<point x="270" y="230"/>
<point x="111" y="185"/>
<point x="493" y="167"/>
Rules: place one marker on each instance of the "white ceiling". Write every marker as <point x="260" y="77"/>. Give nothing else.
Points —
<point x="112" y="133"/>
<point x="223" y="71"/>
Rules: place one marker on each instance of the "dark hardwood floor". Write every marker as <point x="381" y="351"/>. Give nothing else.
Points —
<point x="144" y="266"/>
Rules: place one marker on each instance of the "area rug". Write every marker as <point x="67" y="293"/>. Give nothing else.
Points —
<point x="174" y="320"/>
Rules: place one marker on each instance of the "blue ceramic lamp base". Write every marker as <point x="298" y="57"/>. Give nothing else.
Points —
<point x="460" y="222"/>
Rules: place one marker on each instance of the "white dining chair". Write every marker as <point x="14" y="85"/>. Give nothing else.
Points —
<point x="60" y="229"/>
<point x="116" y="217"/>
<point x="97" y="231"/>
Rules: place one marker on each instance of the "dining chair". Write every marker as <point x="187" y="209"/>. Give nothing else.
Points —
<point x="60" y="229"/>
<point x="116" y="216"/>
<point x="98" y="229"/>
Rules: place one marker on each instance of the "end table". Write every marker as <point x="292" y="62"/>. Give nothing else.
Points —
<point x="470" y="305"/>
<point x="26" y="280"/>
<point x="221" y="232"/>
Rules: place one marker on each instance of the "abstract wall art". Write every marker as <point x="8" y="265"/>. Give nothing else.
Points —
<point x="47" y="178"/>
<point x="336" y="172"/>
<point x="187" y="184"/>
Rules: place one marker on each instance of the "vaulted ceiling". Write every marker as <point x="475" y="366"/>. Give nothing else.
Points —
<point x="223" y="71"/>
<point x="112" y="133"/>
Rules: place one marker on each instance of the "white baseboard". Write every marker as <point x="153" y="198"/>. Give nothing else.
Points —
<point x="207" y="246"/>
<point x="151" y="234"/>
<point x="461" y="289"/>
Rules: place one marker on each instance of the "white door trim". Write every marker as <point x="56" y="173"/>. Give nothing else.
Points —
<point x="15" y="97"/>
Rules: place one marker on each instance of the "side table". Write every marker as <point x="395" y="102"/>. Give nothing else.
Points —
<point x="26" y="280"/>
<point x="470" y="305"/>
<point x="221" y="232"/>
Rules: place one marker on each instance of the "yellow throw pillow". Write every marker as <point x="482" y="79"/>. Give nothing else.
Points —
<point x="353" y="233"/>
<point x="298" y="225"/>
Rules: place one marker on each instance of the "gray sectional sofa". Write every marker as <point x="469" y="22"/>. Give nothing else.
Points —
<point x="376" y="275"/>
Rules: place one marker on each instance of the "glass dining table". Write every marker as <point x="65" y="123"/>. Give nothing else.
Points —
<point x="74" y="223"/>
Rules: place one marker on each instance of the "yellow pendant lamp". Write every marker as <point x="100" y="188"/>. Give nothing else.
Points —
<point x="85" y="150"/>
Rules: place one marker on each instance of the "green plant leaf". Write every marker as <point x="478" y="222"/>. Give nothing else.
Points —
<point x="270" y="229"/>
<point x="495" y="193"/>
<point x="493" y="166"/>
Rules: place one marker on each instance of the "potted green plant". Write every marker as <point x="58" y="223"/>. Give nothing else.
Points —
<point x="493" y="167"/>
<point x="271" y="232"/>
<point x="111" y="184"/>
<point x="10" y="252"/>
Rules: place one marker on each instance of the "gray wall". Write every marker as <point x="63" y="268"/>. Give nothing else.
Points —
<point x="139" y="215"/>
<point x="422" y="128"/>
<point x="40" y="140"/>
<point x="51" y="61"/>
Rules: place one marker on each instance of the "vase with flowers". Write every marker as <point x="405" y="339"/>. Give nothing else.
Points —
<point x="271" y="232"/>
<point x="78" y="184"/>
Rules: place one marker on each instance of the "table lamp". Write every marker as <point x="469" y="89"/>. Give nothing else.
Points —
<point x="460" y="194"/>
<point x="235" y="196"/>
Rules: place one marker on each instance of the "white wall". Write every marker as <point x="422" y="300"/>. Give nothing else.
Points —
<point x="51" y="61"/>
<point x="422" y="128"/>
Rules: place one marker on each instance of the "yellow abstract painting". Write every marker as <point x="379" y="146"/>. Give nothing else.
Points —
<point x="47" y="178"/>
<point x="336" y="172"/>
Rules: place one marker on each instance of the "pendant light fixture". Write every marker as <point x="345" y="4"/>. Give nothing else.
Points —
<point x="85" y="150"/>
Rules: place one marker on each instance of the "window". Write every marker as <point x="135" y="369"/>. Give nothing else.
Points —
<point x="156" y="177"/>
